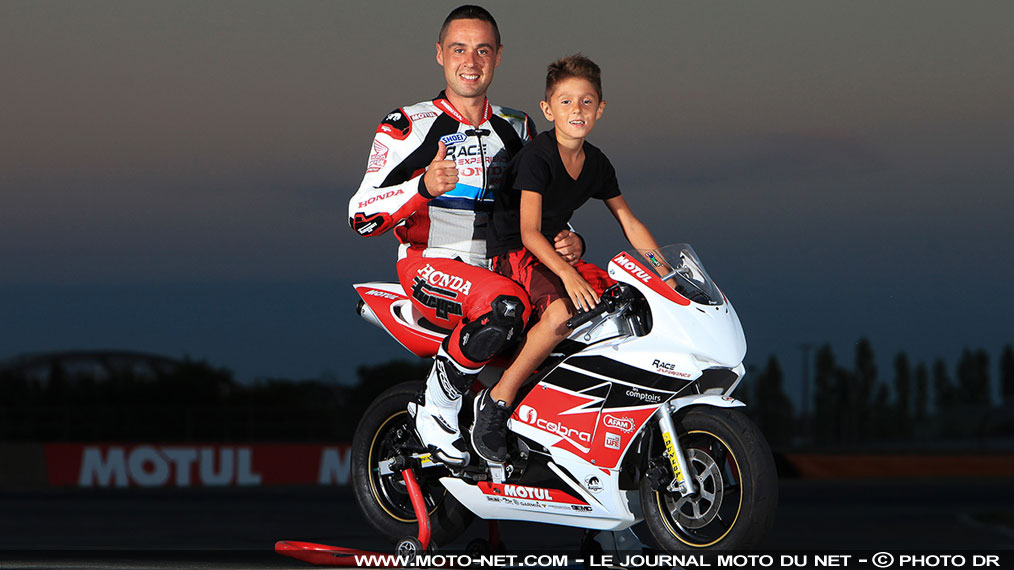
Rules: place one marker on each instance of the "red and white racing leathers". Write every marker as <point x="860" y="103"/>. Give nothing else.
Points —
<point x="442" y="258"/>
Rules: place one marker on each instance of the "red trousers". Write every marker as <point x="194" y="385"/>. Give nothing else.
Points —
<point x="452" y="293"/>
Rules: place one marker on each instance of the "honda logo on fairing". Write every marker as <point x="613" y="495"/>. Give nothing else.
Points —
<point x="527" y="493"/>
<point x="625" y="425"/>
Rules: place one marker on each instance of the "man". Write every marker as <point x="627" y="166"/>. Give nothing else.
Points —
<point x="431" y="176"/>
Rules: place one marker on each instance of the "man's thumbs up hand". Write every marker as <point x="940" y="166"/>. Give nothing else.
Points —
<point x="442" y="174"/>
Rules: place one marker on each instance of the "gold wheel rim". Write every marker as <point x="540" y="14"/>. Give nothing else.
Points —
<point x="739" y="506"/>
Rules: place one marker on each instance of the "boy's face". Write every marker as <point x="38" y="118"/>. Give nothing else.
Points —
<point x="469" y="55"/>
<point x="573" y="107"/>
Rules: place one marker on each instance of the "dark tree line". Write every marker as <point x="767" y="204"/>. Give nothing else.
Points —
<point x="193" y="402"/>
<point x="857" y="404"/>
<point x="851" y="404"/>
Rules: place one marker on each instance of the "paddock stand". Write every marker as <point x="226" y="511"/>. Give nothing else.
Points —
<point x="325" y="555"/>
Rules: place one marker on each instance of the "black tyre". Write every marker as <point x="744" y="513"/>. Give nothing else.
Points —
<point x="383" y="499"/>
<point x="737" y="485"/>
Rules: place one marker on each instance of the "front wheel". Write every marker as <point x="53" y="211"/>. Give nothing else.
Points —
<point x="384" y="499"/>
<point x="733" y="507"/>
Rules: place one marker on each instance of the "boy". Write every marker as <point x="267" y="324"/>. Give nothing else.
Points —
<point x="548" y="180"/>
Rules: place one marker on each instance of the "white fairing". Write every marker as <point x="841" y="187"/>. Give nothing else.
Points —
<point x="685" y="339"/>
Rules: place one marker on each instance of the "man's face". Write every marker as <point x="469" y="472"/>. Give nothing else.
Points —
<point x="468" y="54"/>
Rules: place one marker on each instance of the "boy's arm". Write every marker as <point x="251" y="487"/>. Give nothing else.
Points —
<point x="581" y="293"/>
<point x="637" y="233"/>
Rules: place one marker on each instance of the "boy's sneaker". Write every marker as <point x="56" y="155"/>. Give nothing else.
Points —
<point x="489" y="431"/>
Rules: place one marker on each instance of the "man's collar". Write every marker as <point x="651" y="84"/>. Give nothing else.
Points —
<point x="446" y="106"/>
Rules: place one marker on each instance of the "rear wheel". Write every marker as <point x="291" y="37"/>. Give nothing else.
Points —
<point x="736" y="485"/>
<point x="384" y="499"/>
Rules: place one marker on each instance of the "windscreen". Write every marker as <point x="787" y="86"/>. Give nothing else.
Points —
<point x="680" y="268"/>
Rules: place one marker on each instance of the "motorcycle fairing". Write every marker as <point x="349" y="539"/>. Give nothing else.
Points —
<point x="394" y="313"/>
<point x="588" y="414"/>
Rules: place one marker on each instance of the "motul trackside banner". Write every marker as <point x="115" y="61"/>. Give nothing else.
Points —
<point x="193" y="465"/>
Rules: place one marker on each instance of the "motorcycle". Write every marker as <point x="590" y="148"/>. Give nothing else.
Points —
<point x="631" y="418"/>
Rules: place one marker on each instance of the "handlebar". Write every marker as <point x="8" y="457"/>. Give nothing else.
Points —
<point x="610" y="300"/>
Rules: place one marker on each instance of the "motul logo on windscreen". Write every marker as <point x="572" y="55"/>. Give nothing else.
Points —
<point x="632" y="268"/>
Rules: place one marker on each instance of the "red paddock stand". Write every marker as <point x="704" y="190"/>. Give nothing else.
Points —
<point x="324" y="555"/>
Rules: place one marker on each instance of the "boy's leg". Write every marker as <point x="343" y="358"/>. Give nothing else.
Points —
<point x="484" y="311"/>
<point x="540" y="341"/>
<point x="550" y="304"/>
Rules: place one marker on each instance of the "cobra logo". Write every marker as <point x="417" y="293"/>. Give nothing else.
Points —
<point x="528" y="414"/>
<point x="626" y="425"/>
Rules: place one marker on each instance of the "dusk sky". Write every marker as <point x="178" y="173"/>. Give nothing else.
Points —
<point x="175" y="175"/>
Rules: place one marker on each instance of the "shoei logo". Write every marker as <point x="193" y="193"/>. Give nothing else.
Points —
<point x="528" y="414"/>
<point x="453" y="138"/>
<point x="625" y="425"/>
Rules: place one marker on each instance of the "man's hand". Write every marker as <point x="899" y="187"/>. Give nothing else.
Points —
<point x="568" y="245"/>
<point x="441" y="175"/>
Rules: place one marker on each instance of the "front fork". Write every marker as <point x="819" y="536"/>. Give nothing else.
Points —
<point x="683" y="481"/>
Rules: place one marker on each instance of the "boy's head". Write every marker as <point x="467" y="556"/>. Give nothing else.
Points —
<point x="573" y="96"/>
<point x="575" y="65"/>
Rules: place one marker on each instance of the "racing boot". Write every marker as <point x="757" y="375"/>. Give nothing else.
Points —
<point x="489" y="431"/>
<point x="436" y="410"/>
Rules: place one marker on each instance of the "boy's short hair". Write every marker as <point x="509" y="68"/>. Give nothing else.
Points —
<point x="469" y="12"/>
<point x="575" y="65"/>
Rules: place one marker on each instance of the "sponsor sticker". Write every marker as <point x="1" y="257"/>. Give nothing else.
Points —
<point x="592" y="483"/>
<point x="622" y="423"/>
<point x="378" y="158"/>
<point x="453" y="138"/>
<point x="613" y="440"/>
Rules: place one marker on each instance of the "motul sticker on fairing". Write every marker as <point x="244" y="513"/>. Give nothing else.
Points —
<point x="529" y="493"/>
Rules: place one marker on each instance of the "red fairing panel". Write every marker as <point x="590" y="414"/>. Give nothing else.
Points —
<point x="583" y="426"/>
<point x="649" y="278"/>
<point x="420" y="342"/>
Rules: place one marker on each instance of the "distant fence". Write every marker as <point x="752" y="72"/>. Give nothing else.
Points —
<point x="136" y="465"/>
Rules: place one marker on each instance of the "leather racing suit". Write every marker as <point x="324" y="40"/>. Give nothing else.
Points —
<point x="442" y="261"/>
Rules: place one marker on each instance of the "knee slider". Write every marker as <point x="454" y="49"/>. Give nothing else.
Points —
<point x="485" y="336"/>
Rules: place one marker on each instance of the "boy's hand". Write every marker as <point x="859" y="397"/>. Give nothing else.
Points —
<point x="581" y="293"/>
<point x="568" y="245"/>
<point x="441" y="175"/>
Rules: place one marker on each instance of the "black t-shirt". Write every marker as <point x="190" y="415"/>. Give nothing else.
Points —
<point x="538" y="168"/>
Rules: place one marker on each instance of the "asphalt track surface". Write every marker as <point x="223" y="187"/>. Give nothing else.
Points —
<point x="237" y="528"/>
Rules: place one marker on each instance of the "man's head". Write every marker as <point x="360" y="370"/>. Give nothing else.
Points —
<point x="468" y="48"/>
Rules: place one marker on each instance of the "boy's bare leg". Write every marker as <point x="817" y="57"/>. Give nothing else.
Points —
<point x="540" y="341"/>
